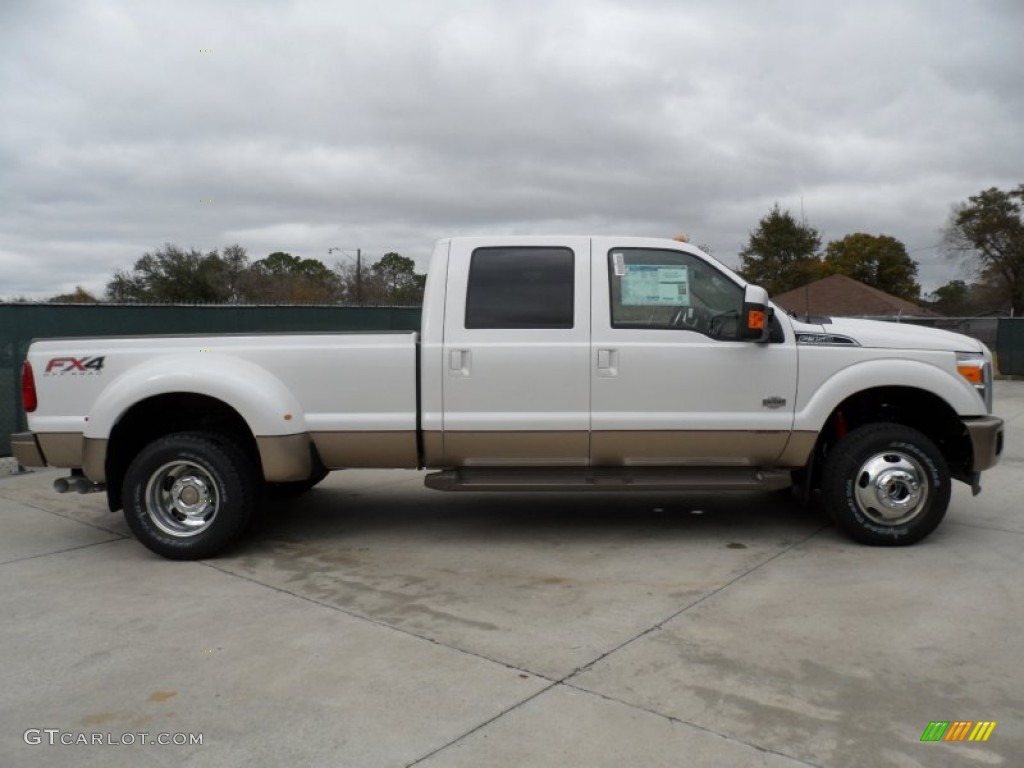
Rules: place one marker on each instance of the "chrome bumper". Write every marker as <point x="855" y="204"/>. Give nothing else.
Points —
<point x="986" y="441"/>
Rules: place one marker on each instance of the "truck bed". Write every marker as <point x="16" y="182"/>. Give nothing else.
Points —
<point x="353" y="393"/>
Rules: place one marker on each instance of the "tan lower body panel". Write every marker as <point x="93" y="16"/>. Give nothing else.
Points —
<point x="285" y="458"/>
<point x="798" y="449"/>
<point x="61" y="449"/>
<point x="687" y="448"/>
<point x="94" y="459"/>
<point x="647" y="448"/>
<point x="339" y="450"/>
<point x="986" y="441"/>
<point x="26" y="450"/>
<point x="433" y="449"/>
<point x="516" y="449"/>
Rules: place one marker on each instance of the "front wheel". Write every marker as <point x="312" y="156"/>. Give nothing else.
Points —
<point x="188" y="495"/>
<point x="886" y="485"/>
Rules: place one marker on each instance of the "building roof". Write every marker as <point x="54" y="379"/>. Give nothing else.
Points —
<point x="845" y="297"/>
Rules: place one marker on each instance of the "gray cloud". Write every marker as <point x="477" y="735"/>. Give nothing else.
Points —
<point x="384" y="126"/>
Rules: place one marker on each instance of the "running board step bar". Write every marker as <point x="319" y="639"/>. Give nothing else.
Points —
<point x="610" y="479"/>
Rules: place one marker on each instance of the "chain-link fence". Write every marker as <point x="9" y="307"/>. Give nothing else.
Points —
<point x="984" y="329"/>
<point x="1003" y="335"/>
<point x="21" y="323"/>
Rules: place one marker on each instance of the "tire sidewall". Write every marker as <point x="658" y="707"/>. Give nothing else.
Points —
<point x="226" y="467"/>
<point x="841" y="474"/>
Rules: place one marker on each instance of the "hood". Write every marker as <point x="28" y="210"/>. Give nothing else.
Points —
<point x="886" y="335"/>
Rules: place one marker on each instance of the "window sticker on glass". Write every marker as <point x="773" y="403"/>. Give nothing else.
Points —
<point x="619" y="261"/>
<point x="655" y="285"/>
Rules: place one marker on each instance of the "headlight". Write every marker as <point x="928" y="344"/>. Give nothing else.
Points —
<point x="974" y="367"/>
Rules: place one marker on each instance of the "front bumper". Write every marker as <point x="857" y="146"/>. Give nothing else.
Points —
<point x="986" y="435"/>
<point x="26" y="450"/>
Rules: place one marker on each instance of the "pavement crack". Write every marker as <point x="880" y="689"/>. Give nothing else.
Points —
<point x="61" y="551"/>
<point x="66" y="517"/>
<point x="376" y="622"/>
<point x="987" y="527"/>
<point x="688" y="724"/>
<point x="662" y="622"/>
<point x="564" y="681"/>
<point x="484" y="724"/>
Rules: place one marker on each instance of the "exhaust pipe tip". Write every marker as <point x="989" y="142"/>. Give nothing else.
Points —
<point x="77" y="483"/>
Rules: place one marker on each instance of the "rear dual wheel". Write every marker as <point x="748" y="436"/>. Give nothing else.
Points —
<point x="190" y="494"/>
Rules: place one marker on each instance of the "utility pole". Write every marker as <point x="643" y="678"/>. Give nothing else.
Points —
<point x="359" y="271"/>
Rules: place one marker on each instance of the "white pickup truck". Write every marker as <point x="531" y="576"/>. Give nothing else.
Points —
<point x="543" y="363"/>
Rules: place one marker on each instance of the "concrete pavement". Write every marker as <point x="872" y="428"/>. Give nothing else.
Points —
<point x="375" y="623"/>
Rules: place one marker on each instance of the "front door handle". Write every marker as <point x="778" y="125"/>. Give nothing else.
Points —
<point x="608" y="362"/>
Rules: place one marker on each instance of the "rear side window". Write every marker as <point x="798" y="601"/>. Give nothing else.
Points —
<point x="520" y="288"/>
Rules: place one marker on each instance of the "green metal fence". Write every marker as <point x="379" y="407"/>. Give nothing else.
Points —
<point x="21" y="323"/>
<point x="1010" y="346"/>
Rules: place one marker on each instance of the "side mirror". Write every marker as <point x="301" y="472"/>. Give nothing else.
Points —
<point x="755" y="321"/>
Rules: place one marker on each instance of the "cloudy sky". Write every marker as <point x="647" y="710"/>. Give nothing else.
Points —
<point x="386" y="125"/>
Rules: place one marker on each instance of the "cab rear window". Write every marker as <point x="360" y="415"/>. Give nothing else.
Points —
<point x="520" y="288"/>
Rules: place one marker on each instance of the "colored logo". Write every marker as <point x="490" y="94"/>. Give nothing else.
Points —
<point x="74" y="365"/>
<point x="958" y="730"/>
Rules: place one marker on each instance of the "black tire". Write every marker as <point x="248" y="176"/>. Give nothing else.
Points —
<point x="292" y="490"/>
<point x="886" y="485"/>
<point x="188" y="495"/>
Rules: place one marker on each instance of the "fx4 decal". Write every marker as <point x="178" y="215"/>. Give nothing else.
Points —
<point x="78" y="366"/>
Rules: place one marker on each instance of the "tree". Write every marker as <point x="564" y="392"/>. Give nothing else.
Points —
<point x="395" y="281"/>
<point x="782" y="253"/>
<point x="960" y="299"/>
<point x="234" y="272"/>
<point x="282" y="277"/>
<point x="78" y="296"/>
<point x="951" y="299"/>
<point x="171" y="274"/>
<point x="989" y="230"/>
<point x="876" y="260"/>
<point x="392" y="279"/>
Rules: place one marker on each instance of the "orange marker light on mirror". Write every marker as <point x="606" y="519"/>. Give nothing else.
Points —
<point x="755" y="319"/>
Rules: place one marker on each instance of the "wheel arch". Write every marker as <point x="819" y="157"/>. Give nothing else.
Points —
<point x="279" y="458"/>
<point x="910" y="406"/>
<point x="159" y="415"/>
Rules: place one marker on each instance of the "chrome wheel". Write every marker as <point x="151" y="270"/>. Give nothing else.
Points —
<point x="182" y="498"/>
<point x="891" y="488"/>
